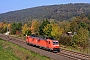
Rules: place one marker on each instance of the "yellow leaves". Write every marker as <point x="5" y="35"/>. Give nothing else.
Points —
<point x="47" y="30"/>
<point x="9" y="26"/>
<point x="5" y="25"/>
<point x="25" y="28"/>
<point x="53" y="30"/>
<point x="35" y="26"/>
<point x="1" y="25"/>
<point x="81" y="37"/>
<point x="46" y="27"/>
<point x="56" y="30"/>
<point x="83" y="34"/>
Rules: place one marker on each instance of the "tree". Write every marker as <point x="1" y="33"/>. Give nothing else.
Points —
<point x="47" y="30"/>
<point x="26" y="30"/>
<point x="35" y="26"/>
<point x="81" y="38"/>
<point x="89" y="16"/>
<point x="65" y="40"/>
<point x="15" y="27"/>
<point x="41" y="27"/>
<point x="74" y="25"/>
<point x="56" y="31"/>
<point x="82" y="24"/>
<point x="65" y="25"/>
<point x="9" y="27"/>
<point x="3" y="27"/>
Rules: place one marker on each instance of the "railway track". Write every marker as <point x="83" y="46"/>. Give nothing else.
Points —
<point x="63" y="55"/>
<point x="77" y="55"/>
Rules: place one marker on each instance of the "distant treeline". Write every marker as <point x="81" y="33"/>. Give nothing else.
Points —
<point x="57" y="12"/>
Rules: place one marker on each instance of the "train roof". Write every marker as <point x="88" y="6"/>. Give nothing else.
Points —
<point x="42" y="37"/>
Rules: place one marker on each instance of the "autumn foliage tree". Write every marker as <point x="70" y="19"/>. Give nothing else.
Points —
<point x="3" y="27"/>
<point x="56" y="31"/>
<point x="35" y="26"/>
<point x="81" y="38"/>
<point x="65" y="25"/>
<point x="9" y="27"/>
<point x="47" y="30"/>
<point x="41" y="27"/>
<point x="53" y="30"/>
<point x="26" y="30"/>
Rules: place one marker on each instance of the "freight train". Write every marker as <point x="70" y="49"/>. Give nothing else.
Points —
<point x="47" y="43"/>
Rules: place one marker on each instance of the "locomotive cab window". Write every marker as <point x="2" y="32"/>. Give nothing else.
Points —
<point x="55" y="43"/>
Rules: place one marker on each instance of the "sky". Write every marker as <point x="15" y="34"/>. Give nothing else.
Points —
<point x="12" y="5"/>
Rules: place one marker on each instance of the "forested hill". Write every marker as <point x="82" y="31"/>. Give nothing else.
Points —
<point x="58" y="12"/>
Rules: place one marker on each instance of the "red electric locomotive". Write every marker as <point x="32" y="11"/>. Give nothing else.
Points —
<point x="50" y="44"/>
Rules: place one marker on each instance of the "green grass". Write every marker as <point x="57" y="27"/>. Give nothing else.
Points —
<point x="6" y="52"/>
<point x="10" y="51"/>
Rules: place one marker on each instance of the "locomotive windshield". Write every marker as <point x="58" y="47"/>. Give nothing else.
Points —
<point x="55" y="42"/>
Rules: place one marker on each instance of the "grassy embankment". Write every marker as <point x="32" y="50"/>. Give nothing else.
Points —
<point x="10" y="51"/>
